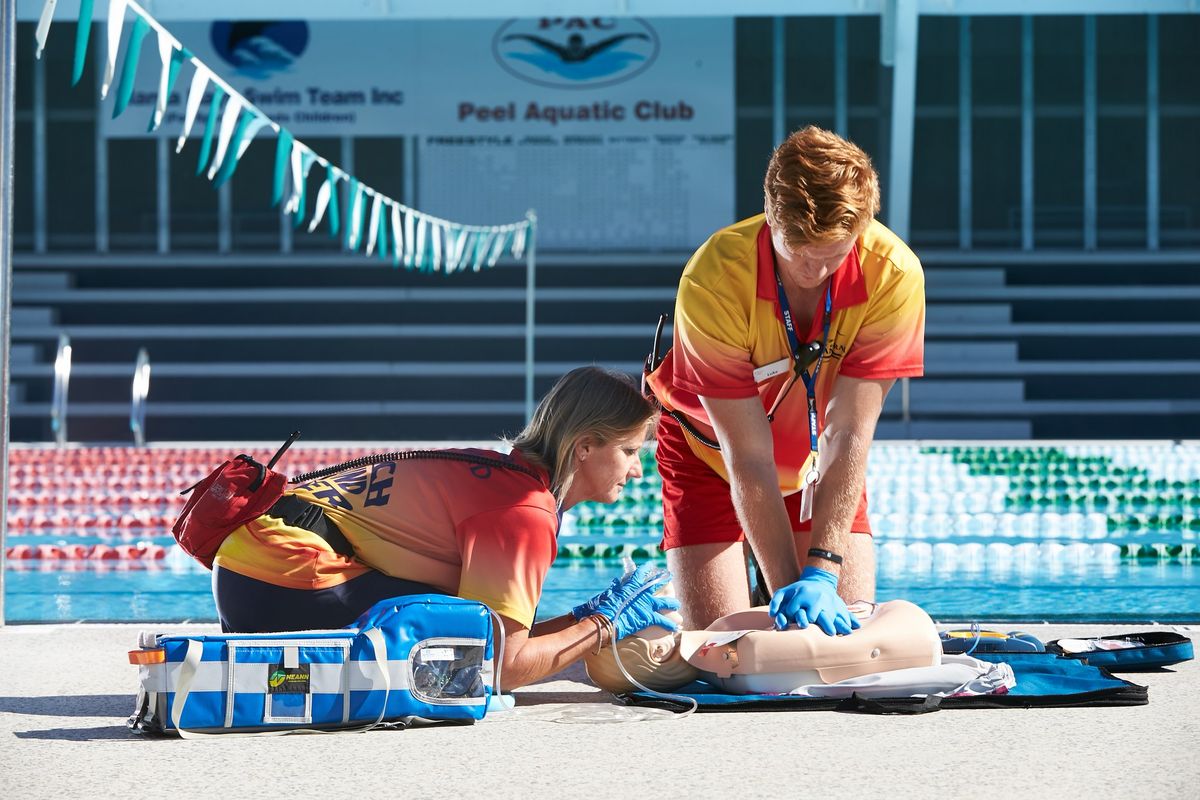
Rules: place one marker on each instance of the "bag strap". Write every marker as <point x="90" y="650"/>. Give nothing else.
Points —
<point x="406" y="455"/>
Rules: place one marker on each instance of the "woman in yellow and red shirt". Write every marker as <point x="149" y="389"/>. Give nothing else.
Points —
<point x="473" y="523"/>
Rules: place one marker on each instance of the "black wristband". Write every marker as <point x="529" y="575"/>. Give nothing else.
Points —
<point x="816" y="552"/>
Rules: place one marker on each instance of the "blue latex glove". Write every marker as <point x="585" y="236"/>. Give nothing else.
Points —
<point x="812" y="599"/>
<point x="630" y="604"/>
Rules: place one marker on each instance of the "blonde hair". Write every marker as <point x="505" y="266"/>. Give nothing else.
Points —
<point x="819" y="188"/>
<point x="588" y="401"/>
<point x="652" y="661"/>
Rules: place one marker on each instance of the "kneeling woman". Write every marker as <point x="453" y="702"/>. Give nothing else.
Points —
<point x="473" y="523"/>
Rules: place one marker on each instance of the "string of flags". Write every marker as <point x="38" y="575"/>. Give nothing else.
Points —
<point x="368" y="220"/>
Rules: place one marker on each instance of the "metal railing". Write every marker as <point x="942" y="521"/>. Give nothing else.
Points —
<point x="62" y="381"/>
<point x="141" y="389"/>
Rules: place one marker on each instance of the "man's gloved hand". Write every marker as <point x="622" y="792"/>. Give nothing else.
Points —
<point x="812" y="599"/>
<point x="630" y="604"/>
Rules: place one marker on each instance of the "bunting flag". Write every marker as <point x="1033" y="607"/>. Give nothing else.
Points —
<point x="391" y="230"/>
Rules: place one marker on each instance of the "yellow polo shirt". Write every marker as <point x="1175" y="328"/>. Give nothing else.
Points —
<point x="728" y="323"/>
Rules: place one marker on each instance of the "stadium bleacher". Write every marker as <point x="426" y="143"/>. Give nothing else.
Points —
<point x="249" y="347"/>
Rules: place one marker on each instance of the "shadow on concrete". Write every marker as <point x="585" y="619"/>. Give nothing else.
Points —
<point x="103" y="733"/>
<point x="80" y="705"/>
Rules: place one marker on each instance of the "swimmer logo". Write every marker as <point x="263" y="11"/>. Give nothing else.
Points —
<point x="575" y="53"/>
<point x="257" y="49"/>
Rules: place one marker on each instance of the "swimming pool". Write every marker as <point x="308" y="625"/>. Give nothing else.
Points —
<point x="1125" y="591"/>
<point x="1097" y="533"/>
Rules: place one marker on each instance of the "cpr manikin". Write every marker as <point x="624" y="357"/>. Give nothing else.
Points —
<point x="743" y="653"/>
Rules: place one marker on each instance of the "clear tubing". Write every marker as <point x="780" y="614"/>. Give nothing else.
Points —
<point x="656" y="580"/>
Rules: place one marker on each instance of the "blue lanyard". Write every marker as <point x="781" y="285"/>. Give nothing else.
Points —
<point x="810" y="381"/>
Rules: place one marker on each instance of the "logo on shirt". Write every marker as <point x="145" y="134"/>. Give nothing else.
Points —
<point x="835" y="350"/>
<point x="376" y="483"/>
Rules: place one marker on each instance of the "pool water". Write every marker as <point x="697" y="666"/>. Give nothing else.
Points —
<point x="1106" y="532"/>
<point x="1122" y="592"/>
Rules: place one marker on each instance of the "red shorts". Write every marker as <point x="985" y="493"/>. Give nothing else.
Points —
<point x="697" y="508"/>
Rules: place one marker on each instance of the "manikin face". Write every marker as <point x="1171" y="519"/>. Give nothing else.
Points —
<point x="810" y="265"/>
<point x="602" y="470"/>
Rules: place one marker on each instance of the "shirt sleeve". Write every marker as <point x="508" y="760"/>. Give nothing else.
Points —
<point x="506" y="554"/>
<point x="711" y="356"/>
<point x="891" y="341"/>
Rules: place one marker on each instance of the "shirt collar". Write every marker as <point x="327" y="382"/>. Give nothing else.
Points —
<point x="847" y="285"/>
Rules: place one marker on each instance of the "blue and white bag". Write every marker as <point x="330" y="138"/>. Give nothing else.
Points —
<point x="418" y="657"/>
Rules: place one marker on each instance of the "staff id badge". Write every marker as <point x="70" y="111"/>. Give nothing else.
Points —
<point x="808" y="491"/>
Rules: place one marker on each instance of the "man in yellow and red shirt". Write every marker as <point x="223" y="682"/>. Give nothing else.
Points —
<point x="790" y="328"/>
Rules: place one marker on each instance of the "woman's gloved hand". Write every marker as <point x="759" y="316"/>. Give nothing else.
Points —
<point x="812" y="599"/>
<point x="630" y="604"/>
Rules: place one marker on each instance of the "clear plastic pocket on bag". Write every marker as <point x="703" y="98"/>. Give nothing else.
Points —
<point x="289" y="694"/>
<point x="448" y="671"/>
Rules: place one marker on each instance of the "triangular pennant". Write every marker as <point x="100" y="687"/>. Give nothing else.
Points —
<point x="210" y="125"/>
<point x="498" y="247"/>
<point x="373" y="227"/>
<point x="483" y="245"/>
<point x="257" y="123"/>
<point x="229" y="121"/>
<point x="296" y="159"/>
<point x="383" y="232"/>
<point x="195" y="97"/>
<point x="438" y="235"/>
<point x="331" y="180"/>
<point x="133" y="52"/>
<point x="172" y="57"/>
<point x="518" y="245"/>
<point x="283" y="152"/>
<point x="419" y="249"/>
<point x="460" y="246"/>
<point x="43" y="28"/>
<point x="307" y="159"/>
<point x="351" y="199"/>
<point x="322" y="203"/>
<point x="116" y="19"/>
<point x="397" y="236"/>
<point x="240" y="136"/>
<point x="357" y="209"/>
<point x="408" y="239"/>
<point x="82" y="31"/>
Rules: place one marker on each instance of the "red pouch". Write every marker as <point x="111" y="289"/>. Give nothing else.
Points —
<point x="233" y="494"/>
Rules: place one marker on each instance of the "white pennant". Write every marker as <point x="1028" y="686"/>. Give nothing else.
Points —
<point x="166" y="47"/>
<point x="116" y="19"/>
<point x="482" y="248"/>
<point x="293" y="203"/>
<point x="518" y="247"/>
<point x="373" y="233"/>
<point x="419" y="250"/>
<point x="397" y="235"/>
<point x="439" y="234"/>
<point x="322" y="203"/>
<point x="456" y="252"/>
<point x="256" y="125"/>
<point x="195" y="97"/>
<point x="233" y="110"/>
<point x="497" y="248"/>
<point x="43" y="28"/>
<point x="408" y="238"/>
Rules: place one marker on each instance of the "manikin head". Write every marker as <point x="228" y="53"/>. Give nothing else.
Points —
<point x="744" y="654"/>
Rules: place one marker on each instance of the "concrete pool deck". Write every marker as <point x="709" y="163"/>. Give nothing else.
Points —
<point x="65" y="691"/>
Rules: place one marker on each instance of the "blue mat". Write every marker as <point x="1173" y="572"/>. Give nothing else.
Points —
<point x="1044" y="680"/>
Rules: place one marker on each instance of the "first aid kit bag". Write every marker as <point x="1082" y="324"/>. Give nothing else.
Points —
<point x="417" y="657"/>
